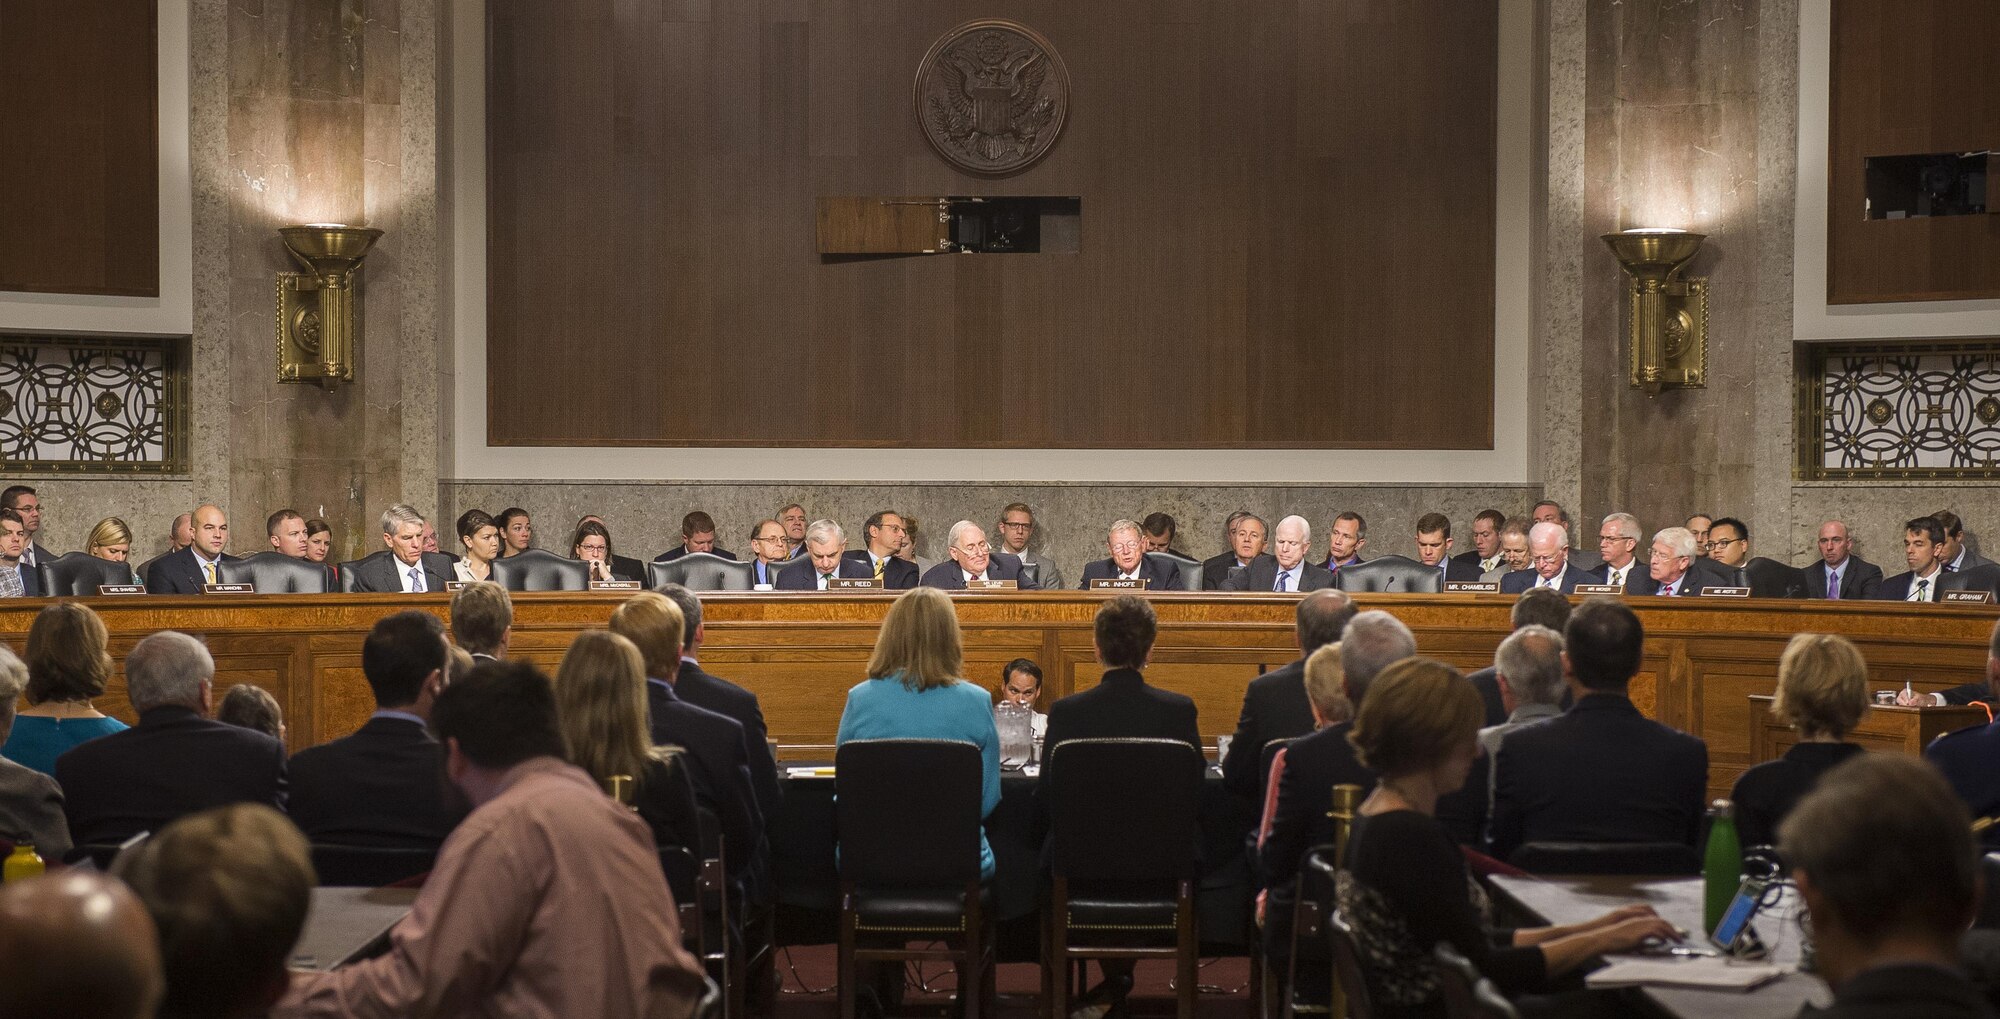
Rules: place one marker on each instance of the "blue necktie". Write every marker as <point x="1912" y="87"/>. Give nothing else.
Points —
<point x="1282" y="577"/>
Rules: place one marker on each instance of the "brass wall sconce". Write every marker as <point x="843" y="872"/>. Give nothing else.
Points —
<point x="316" y="307"/>
<point x="1669" y="312"/>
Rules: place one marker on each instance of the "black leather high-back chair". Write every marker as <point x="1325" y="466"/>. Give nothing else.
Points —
<point x="1978" y="578"/>
<point x="1190" y="569"/>
<point x="701" y="571"/>
<point x="1467" y="995"/>
<point x="1347" y="971"/>
<point x="1710" y="573"/>
<point x="347" y="569"/>
<point x="541" y="570"/>
<point x="907" y="814"/>
<point x="1389" y="573"/>
<point x="278" y="573"/>
<point x="1770" y="578"/>
<point x="1124" y="822"/>
<point x="1640" y="858"/>
<point x="369" y="866"/>
<point x="1989" y="903"/>
<point x="78" y="574"/>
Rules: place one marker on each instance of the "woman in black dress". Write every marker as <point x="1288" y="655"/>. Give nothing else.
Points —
<point x="1822" y="693"/>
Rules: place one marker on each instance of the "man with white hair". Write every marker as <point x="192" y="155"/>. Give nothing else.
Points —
<point x="1529" y="670"/>
<point x="1286" y="568"/>
<point x="1618" y="541"/>
<point x="973" y="559"/>
<point x="1548" y="563"/>
<point x="1128" y="561"/>
<point x="1673" y="556"/>
<point x="407" y="568"/>
<point x="176" y="761"/>
<point x="823" y="561"/>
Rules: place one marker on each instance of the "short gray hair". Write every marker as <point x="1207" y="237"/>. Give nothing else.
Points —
<point x="1530" y="661"/>
<point x="1547" y="530"/>
<point x="1122" y="524"/>
<point x="166" y="668"/>
<point x="1679" y="541"/>
<point x="825" y="530"/>
<point x="1628" y="525"/>
<point x="690" y="605"/>
<point x="1305" y="527"/>
<point x="396" y="516"/>
<point x="1374" y="641"/>
<point x="951" y="536"/>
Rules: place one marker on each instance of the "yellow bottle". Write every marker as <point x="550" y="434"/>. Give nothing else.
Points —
<point x="21" y="864"/>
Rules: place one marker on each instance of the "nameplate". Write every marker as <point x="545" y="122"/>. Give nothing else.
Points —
<point x="1472" y="587"/>
<point x="1973" y="597"/>
<point x="616" y="585"/>
<point x="1600" y="589"/>
<point x="139" y="589"/>
<point x="1725" y="592"/>
<point x="851" y="584"/>
<point x="228" y="589"/>
<point x="992" y="585"/>
<point x="1117" y="584"/>
<point x="458" y="585"/>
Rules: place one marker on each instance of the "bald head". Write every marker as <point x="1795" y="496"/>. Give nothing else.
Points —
<point x="76" y="944"/>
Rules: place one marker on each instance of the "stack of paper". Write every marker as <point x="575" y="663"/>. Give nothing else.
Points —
<point x="1714" y="973"/>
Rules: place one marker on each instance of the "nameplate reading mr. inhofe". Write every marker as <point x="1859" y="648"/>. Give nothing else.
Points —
<point x="1117" y="584"/>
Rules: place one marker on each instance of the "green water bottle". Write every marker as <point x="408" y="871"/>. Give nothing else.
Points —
<point x="1722" y="863"/>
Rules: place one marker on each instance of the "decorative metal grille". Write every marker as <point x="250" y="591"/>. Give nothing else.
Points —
<point x="1899" y="411"/>
<point x="96" y="405"/>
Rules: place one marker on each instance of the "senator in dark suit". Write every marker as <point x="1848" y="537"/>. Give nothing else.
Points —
<point x="801" y="576"/>
<point x="176" y="761"/>
<point x="383" y="786"/>
<point x="678" y="551"/>
<point x="1275" y="706"/>
<point x="1165" y="577"/>
<point x="1521" y="580"/>
<point x="969" y="555"/>
<point x="1600" y="772"/>
<point x="1246" y="533"/>
<point x="389" y="572"/>
<point x="1852" y="577"/>
<point x="1898" y="587"/>
<point x="1262" y="575"/>
<point x="897" y="574"/>
<point x="175" y="573"/>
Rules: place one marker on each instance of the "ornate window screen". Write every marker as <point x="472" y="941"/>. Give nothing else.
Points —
<point x="97" y="405"/>
<point x="1898" y="411"/>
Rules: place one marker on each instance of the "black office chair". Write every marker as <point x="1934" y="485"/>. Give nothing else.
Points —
<point x="1640" y="858"/>
<point x="78" y="574"/>
<point x="1124" y="822"/>
<point x="1989" y="903"/>
<point x="1389" y="573"/>
<point x="907" y="815"/>
<point x="278" y="573"/>
<point x="1706" y="573"/>
<point x="1978" y="578"/>
<point x="541" y="570"/>
<point x="348" y="569"/>
<point x="1347" y="969"/>
<point x="1467" y="995"/>
<point x="1190" y="569"/>
<point x="1307" y="984"/>
<point x="701" y="571"/>
<point x="369" y="866"/>
<point x="1770" y="578"/>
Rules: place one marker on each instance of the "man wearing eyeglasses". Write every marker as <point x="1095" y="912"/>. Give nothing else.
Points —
<point x="1016" y="529"/>
<point x="885" y="532"/>
<point x="768" y="545"/>
<point x="973" y="559"/>
<point x="1128" y="561"/>
<point x="1548" y="563"/>
<point x="1618" y="541"/>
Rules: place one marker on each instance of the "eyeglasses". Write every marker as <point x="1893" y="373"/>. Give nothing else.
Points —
<point x="587" y="547"/>
<point x="1544" y="560"/>
<point x="1018" y="525"/>
<point x="769" y="537"/>
<point x="1602" y="538"/>
<point x="1724" y="542"/>
<point x="1127" y="546"/>
<point x="975" y="549"/>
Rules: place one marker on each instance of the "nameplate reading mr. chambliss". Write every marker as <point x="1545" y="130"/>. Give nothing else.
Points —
<point x="120" y="589"/>
<point x="1600" y="589"/>
<point x="616" y="585"/>
<point x="992" y="585"/>
<point x="228" y="589"/>
<point x="1974" y="597"/>
<point x="1472" y="587"/>
<point x="1725" y="592"/>
<point x="1117" y="584"/>
<point x="851" y="584"/>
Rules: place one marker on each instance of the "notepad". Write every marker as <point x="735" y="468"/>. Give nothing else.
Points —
<point x="1714" y="974"/>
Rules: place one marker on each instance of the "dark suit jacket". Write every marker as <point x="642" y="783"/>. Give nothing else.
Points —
<point x="897" y="574"/>
<point x="1262" y="575"/>
<point x="1167" y="579"/>
<point x="1772" y="579"/>
<point x="771" y="576"/>
<point x="1897" y="588"/>
<point x="1970" y="761"/>
<point x="1638" y="579"/>
<point x="1858" y="578"/>
<point x="177" y="573"/>
<point x="799" y="575"/>
<point x="31" y="581"/>
<point x="1901" y="990"/>
<point x="1215" y="570"/>
<point x="1275" y="706"/>
<point x="1470" y="559"/>
<point x="1690" y="583"/>
<point x="1600" y="772"/>
<point x="627" y="568"/>
<point x="386" y="574"/>
<point x="1521" y="580"/>
<point x="383" y="786"/>
<point x="719" y="762"/>
<point x="1122" y="704"/>
<point x="174" y="762"/>
<point x="680" y="550"/>
<point x="947" y="576"/>
<point x="703" y="689"/>
<point x="1457" y="570"/>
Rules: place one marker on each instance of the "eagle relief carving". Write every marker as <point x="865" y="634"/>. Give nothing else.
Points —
<point x="992" y="96"/>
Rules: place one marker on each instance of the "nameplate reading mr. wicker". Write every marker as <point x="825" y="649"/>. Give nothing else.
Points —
<point x="228" y="589"/>
<point x="1974" y="597"/>
<point x="851" y="584"/>
<point x="1600" y="589"/>
<point x="992" y="585"/>
<point x="1117" y="584"/>
<point x="616" y="585"/>
<point x="1725" y="592"/>
<point x="121" y="589"/>
<point x="1472" y="587"/>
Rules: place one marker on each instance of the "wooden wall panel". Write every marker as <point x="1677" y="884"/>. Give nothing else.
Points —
<point x="1910" y="77"/>
<point x="79" y="147"/>
<point x="1287" y="230"/>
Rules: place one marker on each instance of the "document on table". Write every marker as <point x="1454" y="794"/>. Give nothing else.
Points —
<point x="1712" y="973"/>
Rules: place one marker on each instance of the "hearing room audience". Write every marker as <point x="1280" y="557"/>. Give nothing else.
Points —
<point x="601" y="701"/>
<point x="69" y="662"/>
<point x="31" y="804"/>
<point x="1822" y="694"/>
<point x="74" y="944"/>
<point x="249" y="706"/>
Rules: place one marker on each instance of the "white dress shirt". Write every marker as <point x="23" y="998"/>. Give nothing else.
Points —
<point x="1616" y="574"/>
<point x="1924" y="588"/>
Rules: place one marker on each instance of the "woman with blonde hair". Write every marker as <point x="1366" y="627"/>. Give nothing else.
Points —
<point x="601" y="702"/>
<point x="1822" y="694"/>
<point x="111" y="539"/>
<point x="69" y="662"/>
<point x="914" y="691"/>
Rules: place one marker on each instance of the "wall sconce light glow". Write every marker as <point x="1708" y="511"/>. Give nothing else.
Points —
<point x="1669" y="336"/>
<point x="316" y="307"/>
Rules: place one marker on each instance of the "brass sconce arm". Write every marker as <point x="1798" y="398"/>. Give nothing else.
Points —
<point x="316" y="307"/>
<point x="1669" y="312"/>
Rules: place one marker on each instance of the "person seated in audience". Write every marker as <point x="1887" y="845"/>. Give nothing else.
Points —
<point x="1970" y="757"/>
<point x="1513" y="549"/>
<point x="1244" y="534"/>
<point x="228" y="889"/>
<point x="23" y="500"/>
<point x="1485" y="552"/>
<point x="319" y="540"/>
<point x="1537" y="606"/>
<point x="75" y="944"/>
<point x="718" y="753"/>
<point x="1160" y="530"/>
<point x="601" y="705"/>
<point x="546" y="901"/>
<point x="1601" y="772"/>
<point x="1021" y="683"/>
<point x="1121" y="706"/>
<point x="482" y="620"/>
<point x="1954" y="556"/>
<point x="971" y="558"/>
<point x="111" y="540"/>
<point x="1275" y="704"/>
<point x="1618" y="543"/>
<point x="1404" y="886"/>
<point x="1528" y="670"/>
<point x="249" y="706"/>
<point x="1840" y="574"/>
<point x="1279" y="850"/>
<point x="186" y="571"/>
<point x="287" y="531"/>
<point x="697" y="535"/>
<point x="1698" y="526"/>
<point x="704" y="689"/>
<point x="69" y="661"/>
<point x="1548" y="511"/>
<point x="885" y="532"/>
<point x="1822" y="694"/>
<point x="1128" y="561"/>
<point x="1923" y="550"/>
<point x="479" y="538"/>
<point x="1016" y="528"/>
<point x="31" y="804"/>
<point x="1883" y="857"/>
<point x="1345" y="540"/>
<point x="768" y="547"/>
<point x="1548" y="564"/>
<point x="794" y="519"/>
<point x="591" y="545"/>
<point x="1434" y="549"/>
<point x="1672" y="566"/>
<point x="825" y="560"/>
<point x="16" y="579"/>
<point x="176" y="761"/>
<point x="407" y="568"/>
<point x="1286" y="569"/>
<point x="517" y="531"/>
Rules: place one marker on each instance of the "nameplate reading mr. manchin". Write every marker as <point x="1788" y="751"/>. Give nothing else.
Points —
<point x="1117" y="584"/>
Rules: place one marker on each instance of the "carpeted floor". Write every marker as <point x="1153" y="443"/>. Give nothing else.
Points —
<point x="1223" y="991"/>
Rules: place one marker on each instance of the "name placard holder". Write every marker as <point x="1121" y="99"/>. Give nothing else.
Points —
<point x="456" y="585"/>
<point x="1600" y="589"/>
<point x="120" y="589"/>
<point x="992" y="585"/>
<point x="616" y="585"/>
<point x="851" y="584"/>
<point x="1725" y="592"/>
<point x="1472" y="587"/>
<point x="1968" y="597"/>
<point x="228" y="589"/>
<point x="1117" y="584"/>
